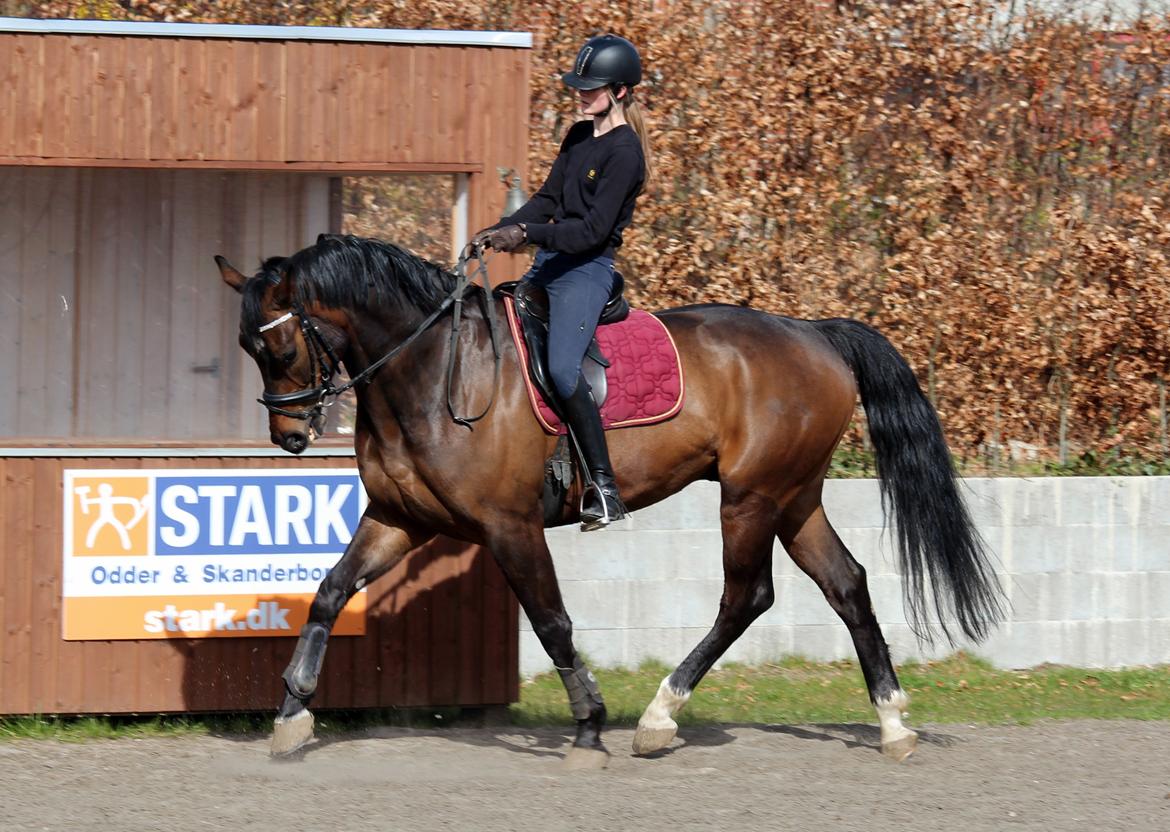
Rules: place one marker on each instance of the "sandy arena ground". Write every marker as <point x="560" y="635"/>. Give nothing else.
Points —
<point x="1055" y="777"/>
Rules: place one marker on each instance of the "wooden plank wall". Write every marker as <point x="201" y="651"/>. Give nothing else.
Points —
<point x="38" y="238"/>
<point x="73" y="100"/>
<point x="131" y="99"/>
<point x="113" y="310"/>
<point x="441" y="629"/>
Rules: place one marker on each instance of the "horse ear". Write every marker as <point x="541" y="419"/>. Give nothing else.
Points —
<point x="231" y="276"/>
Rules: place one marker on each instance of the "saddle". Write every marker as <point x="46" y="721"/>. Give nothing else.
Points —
<point x="532" y="309"/>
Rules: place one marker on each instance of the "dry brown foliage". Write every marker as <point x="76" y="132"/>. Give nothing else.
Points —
<point x="991" y="194"/>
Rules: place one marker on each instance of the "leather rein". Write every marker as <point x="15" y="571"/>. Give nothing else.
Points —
<point x="325" y="364"/>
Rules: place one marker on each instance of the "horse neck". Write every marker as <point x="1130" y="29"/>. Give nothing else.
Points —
<point x="419" y="371"/>
<point x="373" y="332"/>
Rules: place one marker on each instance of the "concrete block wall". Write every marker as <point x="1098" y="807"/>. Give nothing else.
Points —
<point x="1085" y="563"/>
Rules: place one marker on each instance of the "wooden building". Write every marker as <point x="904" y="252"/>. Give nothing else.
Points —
<point x="132" y="153"/>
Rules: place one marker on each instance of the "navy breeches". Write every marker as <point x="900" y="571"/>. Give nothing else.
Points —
<point x="578" y="288"/>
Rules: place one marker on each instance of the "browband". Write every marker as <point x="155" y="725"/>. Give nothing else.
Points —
<point x="277" y="322"/>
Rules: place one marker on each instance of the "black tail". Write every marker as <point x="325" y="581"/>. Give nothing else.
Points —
<point x="917" y="477"/>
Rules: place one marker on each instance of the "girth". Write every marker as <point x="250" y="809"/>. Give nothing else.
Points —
<point x="532" y="309"/>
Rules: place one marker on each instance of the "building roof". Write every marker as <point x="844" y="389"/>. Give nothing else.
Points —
<point x="121" y="28"/>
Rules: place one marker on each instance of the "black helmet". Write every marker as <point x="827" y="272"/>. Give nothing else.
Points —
<point x="605" y="60"/>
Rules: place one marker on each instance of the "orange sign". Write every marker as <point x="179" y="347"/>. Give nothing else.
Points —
<point x="200" y="616"/>
<point x="109" y="514"/>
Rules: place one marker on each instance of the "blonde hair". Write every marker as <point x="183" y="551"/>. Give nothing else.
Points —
<point x="633" y="116"/>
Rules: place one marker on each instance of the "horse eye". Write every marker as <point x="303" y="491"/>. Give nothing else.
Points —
<point x="289" y="357"/>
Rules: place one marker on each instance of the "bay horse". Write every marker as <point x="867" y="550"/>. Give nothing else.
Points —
<point x="768" y="398"/>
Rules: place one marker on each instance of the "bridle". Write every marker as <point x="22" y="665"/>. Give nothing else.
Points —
<point x="324" y="363"/>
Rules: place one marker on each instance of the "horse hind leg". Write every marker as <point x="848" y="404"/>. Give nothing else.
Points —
<point x="375" y="548"/>
<point x="815" y="547"/>
<point x="749" y="523"/>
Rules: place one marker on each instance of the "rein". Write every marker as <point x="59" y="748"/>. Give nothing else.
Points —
<point x="325" y="363"/>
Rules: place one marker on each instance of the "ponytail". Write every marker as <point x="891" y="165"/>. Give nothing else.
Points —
<point x="633" y="115"/>
<point x="634" y="118"/>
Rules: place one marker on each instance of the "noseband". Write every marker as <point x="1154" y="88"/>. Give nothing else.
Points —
<point x="325" y="364"/>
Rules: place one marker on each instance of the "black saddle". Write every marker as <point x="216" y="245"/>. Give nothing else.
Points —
<point x="532" y="309"/>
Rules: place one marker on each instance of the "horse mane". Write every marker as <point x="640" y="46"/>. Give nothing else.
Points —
<point x="342" y="271"/>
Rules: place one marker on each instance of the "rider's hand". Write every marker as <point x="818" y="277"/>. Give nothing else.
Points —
<point x="508" y="238"/>
<point x="480" y="238"/>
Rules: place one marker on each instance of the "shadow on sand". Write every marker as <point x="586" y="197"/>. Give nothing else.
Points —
<point x="440" y="634"/>
<point x="554" y="742"/>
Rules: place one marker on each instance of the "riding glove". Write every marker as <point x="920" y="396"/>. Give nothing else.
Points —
<point x="508" y="238"/>
<point x="480" y="238"/>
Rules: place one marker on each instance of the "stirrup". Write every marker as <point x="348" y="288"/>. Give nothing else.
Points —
<point x="592" y="523"/>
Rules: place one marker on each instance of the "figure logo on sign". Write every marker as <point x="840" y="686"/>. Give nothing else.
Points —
<point x="107" y="502"/>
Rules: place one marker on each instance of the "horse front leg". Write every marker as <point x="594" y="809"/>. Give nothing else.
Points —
<point x="376" y="547"/>
<point x="523" y="556"/>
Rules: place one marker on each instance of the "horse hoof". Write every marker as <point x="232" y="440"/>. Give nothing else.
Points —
<point x="585" y="759"/>
<point x="899" y="750"/>
<point x="291" y="734"/>
<point x="648" y="740"/>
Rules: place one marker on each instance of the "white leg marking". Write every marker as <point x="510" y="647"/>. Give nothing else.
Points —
<point x="291" y="733"/>
<point x="666" y="704"/>
<point x="889" y="711"/>
<point x="656" y="729"/>
<point x="299" y="715"/>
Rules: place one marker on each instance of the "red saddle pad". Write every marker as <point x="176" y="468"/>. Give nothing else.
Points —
<point x="644" y="377"/>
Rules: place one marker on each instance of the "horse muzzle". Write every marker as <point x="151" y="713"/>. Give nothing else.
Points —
<point x="294" y="443"/>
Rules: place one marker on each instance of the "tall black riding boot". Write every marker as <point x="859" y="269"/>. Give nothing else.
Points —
<point x="601" y="504"/>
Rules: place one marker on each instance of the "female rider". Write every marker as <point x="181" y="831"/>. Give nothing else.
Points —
<point x="589" y="197"/>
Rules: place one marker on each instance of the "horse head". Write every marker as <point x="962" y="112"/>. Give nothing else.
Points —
<point x="296" y="347"/>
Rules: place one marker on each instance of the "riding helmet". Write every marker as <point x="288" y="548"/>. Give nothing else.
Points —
<point x="605" y="60"/>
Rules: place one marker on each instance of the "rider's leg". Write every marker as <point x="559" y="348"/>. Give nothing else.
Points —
<point x="577" y="292"/>
<point x="576" y="299"/>
<point x="602" y="504"/>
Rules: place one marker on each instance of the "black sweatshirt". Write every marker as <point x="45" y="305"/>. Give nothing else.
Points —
<point x="589" y="194"/>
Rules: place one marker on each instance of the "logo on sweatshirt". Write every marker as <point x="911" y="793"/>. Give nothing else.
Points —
<point x="592" y="174"/>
